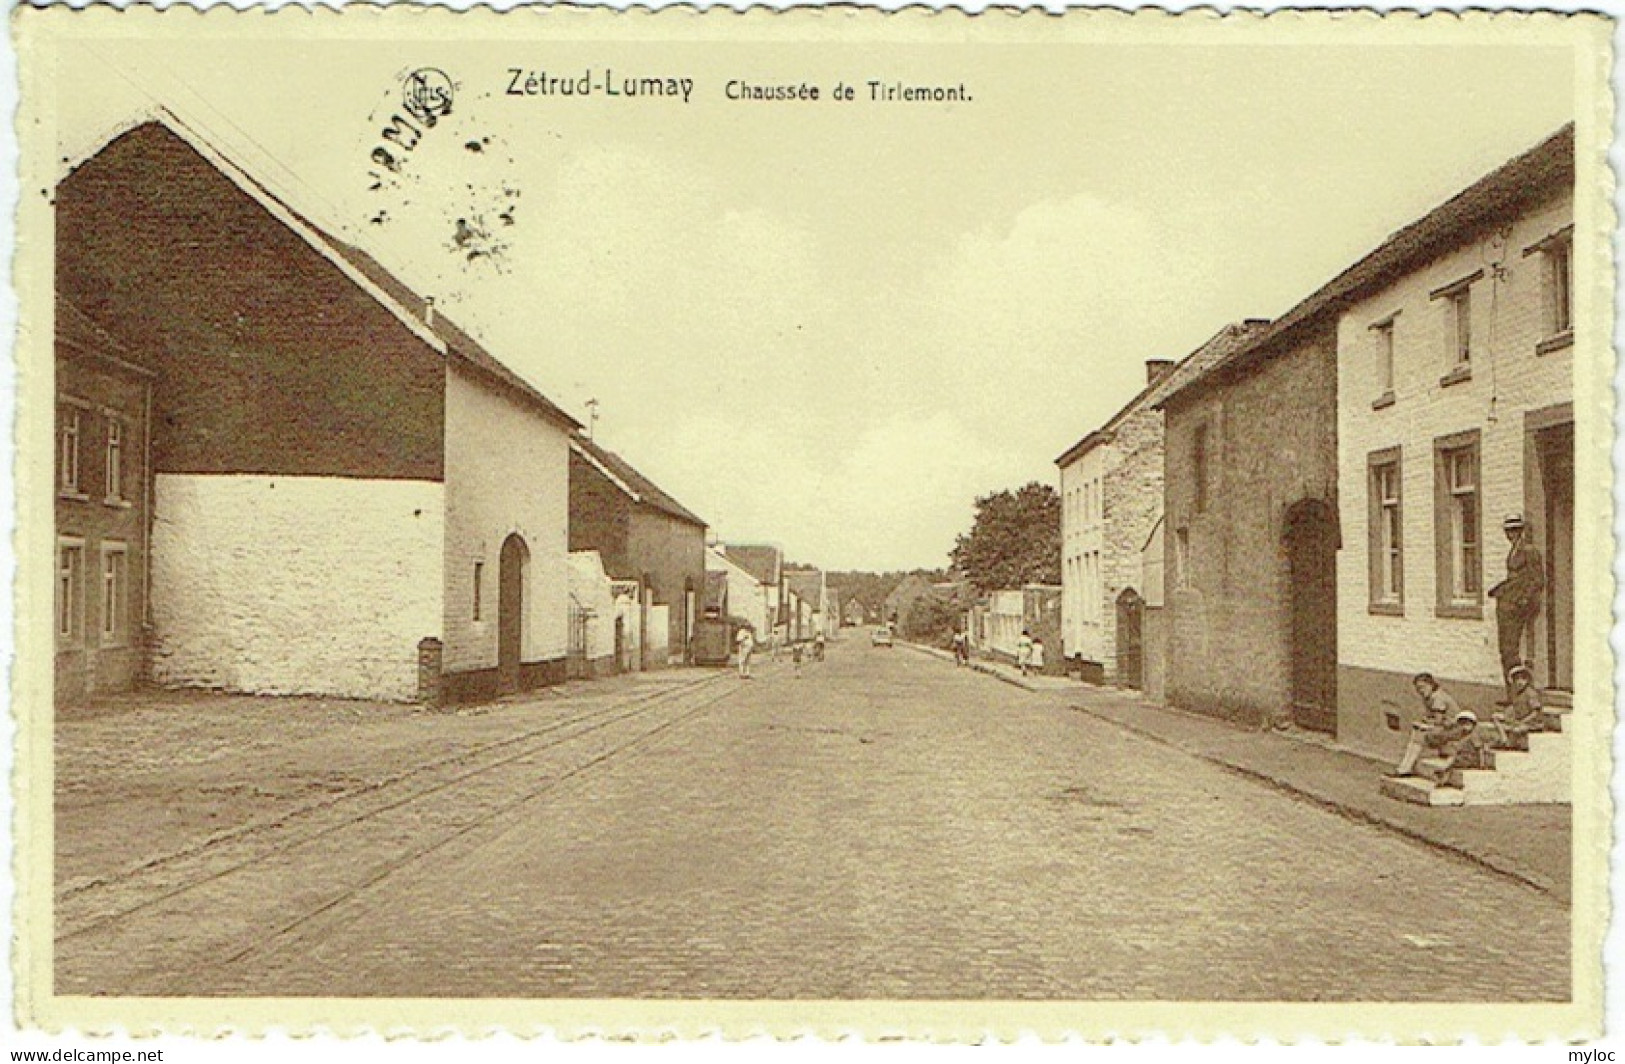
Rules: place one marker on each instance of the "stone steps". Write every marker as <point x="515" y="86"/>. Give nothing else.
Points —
<point x="1538" y="775"/>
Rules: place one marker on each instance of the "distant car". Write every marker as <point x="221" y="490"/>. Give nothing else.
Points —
<point x="881" y="637"/>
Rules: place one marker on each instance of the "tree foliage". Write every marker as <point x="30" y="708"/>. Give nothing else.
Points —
<point x="1015" y="539"/>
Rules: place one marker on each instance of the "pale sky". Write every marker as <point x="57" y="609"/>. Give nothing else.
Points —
<point x="832" y="329"/>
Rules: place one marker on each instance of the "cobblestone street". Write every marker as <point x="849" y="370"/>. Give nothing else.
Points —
<point x="883" y="825"/>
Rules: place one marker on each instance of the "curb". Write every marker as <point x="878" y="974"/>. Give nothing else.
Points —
<point x="1343" y="809"/>
<point x="975" y="666"/>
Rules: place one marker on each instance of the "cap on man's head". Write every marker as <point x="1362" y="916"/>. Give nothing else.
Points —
<point x="1514" y="521"/>
<point x="1520" y="670"/>
<point x="1467" y="714"/>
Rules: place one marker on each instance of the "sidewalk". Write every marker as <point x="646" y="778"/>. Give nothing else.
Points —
<point x="1528" y="842"/>
<point x="1008" y="673"/>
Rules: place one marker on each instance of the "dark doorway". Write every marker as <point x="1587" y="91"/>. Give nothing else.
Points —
<point x="1555" y="447"/>
<point x="1131" y="639"/>
<point x="1311" y="556"/>
<point x="511" y="612"/>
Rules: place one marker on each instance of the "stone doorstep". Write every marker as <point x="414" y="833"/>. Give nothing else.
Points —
<point x="1419" y="791"/>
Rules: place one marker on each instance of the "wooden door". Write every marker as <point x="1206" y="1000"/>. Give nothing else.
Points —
<point x="510" y="613"/>
<point x="1311" y="553"/>
<point x="1131" y="639"/>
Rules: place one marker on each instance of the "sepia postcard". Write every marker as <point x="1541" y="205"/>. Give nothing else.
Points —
<point x="915" y="525"/>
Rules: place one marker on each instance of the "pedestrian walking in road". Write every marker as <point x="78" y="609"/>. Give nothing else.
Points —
<point x="795" y="658"/>
<point x="1517" y="598"/>
<point x="961" y="647"/>
<point x="1024" y="651"/>
<point x="1035" y="658"/>
<point x="745" y="641"/>
<point x="818" y="646"/>
<point x="774" y="641"/>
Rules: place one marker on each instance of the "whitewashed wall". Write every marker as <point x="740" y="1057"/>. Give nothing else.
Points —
<point x="590" y="590"/>
<point x="507" y="471"/>
<point x="295" y="585"/>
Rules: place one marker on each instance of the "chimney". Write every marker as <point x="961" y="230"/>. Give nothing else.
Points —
<point x="428" y="311"/>
<point x="1156" y="369"/>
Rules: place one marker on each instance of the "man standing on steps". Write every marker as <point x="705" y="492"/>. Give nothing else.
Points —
<point x="1517" y="598"/>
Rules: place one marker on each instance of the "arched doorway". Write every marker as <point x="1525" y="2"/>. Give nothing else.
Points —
<point x="1310" y="538"/>
<point x="511" y="612"/>
<point x="1130" y="639"/>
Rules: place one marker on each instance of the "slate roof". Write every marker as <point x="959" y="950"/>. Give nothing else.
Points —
<point x="639" y="487"/>
<point x="807" y="584"/>
<point x="1217" y="347"/>
<point x="409" y="304"/>
<point x="1516" y="185"/>
<point x="76" y="329"/>
<point x="760" y="560"/>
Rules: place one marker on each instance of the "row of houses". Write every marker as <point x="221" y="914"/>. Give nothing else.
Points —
<point x="280" y="470"/>
<point x="1292" y="520"/>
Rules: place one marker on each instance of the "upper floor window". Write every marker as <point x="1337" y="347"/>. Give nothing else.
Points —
<point x="1461" y="315"/>
<point x="115" y="459"/>
<point x="1382" y="342"/>
<point x="1457" y="298"/>
<point x="1560" y="282"/>
<point x="68" y="420"/>
<point x="1557" y="258"/>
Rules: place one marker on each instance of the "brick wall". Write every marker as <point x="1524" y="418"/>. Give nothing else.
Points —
<point x="1512" y="377"/>
<point x="600" y="518"/>
<point x="1132" y="492"/>
<point x="269" y="358"/>
<point x="96" y="655"/>
<point x="672" y="553"/>
<point x="1270" y="442"/>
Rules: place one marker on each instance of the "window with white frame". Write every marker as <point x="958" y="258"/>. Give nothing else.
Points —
<point x="1382" y="337"/>
<point x="1458" y="524"/>
<point x="1457" y="317"/>
<point x="1557" y="260"/>
<point x="1459" y="307"/>
<point x="1387" y="533"/>
<point x="1560" y="283"/>
<point x="68" y="423"/>
<point x="115" y="459"/>
<point x="70" y="570"/>
<point x="114" y="599"/>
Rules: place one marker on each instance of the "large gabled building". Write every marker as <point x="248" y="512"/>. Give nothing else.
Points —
<point x="346" y="494"/>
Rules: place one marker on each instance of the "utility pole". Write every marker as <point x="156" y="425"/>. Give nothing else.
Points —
<point x="592" y="417"/>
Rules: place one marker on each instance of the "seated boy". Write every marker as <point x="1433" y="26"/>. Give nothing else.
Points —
<point x="1524" y="713"/>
